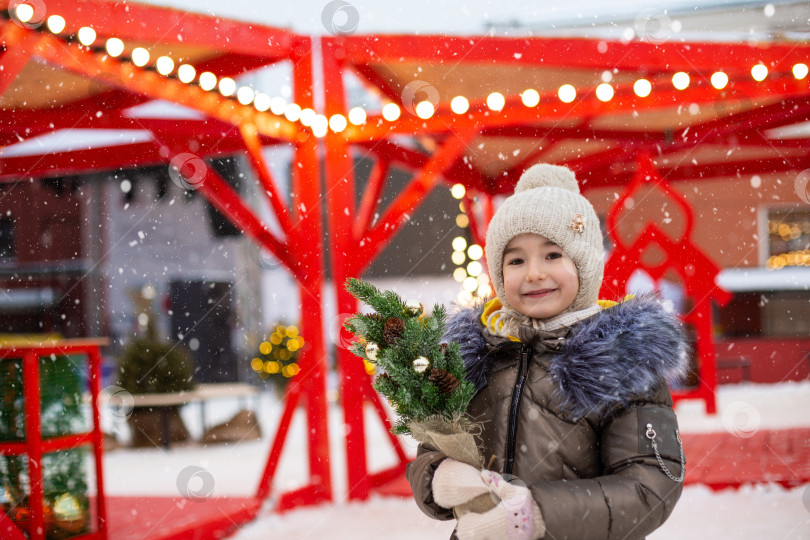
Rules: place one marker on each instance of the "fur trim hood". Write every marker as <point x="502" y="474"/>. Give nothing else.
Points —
<point x="607" y="361"/>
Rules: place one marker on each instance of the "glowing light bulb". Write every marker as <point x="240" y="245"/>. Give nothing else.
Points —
<point x="278" y="105"/>
<point x="391" y="112"/>
<point x="460" y="274"/>
<point x="458" y="257"/>
<point x="56" y="23"/>
<point x="357" y="116"/>
<point x="642" y="88"/>
<point x="114" y="47"/>
<point x="567" y="93"/>
<point x="425" y="109"/>
<point x="292" y="112"/>
<point x="227" y="86"/>
<point x="475" y="269"/>
<point x="800" y="71"/>
<point x="680" y="80"/>
<point x="86" y="36"/>
<point x="604" y="92"/>
<point x="530" y="97"/>
<point x="470" y="284"/>
<point x="140" y="56"/>
<point x="164" y="65"/>
<point x="719" y="80"/>
<point x="245" y="95"/>
<point x="186" y="73"/>
<point x="458" y="191"/>
<point x="337" y="123"/>
<point x="759" y="72"/>
<point x="261" y="102"/>
<point x="459" y="243"/>
<point x="475" y="252"/>
<point x="496" y="101"/>
<point x="24" y="12"/>
<point x="459" y="105"/>
<point x="320" y="126"/>
<point x="208" y="81"/>
<point x="308" y="116"/>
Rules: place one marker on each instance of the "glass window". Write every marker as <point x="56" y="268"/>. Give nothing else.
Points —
<point x="788" y="238"/>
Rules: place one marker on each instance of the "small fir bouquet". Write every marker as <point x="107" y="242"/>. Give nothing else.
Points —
<point x="422" y="378"/>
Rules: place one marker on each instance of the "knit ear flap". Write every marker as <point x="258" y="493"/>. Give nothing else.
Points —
<point x="545" y="175"/>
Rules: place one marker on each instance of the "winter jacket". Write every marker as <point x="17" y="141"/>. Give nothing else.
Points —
<point x="570" y="413"/>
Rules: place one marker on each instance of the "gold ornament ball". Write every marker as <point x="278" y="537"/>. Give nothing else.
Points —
<point x="421" y="364"/>
<point x="372" y="349"/>
<point x="414" y="308"/>
<point x="68" y="514"/>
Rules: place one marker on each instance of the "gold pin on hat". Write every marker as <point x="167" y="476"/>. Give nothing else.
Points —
<point x="578" y="223"/>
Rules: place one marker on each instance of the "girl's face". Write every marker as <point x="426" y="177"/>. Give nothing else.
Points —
<point x="539" y="278"/>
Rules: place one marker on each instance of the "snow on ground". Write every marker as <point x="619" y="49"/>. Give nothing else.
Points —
<point x="752" y="512"/>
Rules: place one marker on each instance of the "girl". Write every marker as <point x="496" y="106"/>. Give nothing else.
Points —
<point x="571" y="393"/>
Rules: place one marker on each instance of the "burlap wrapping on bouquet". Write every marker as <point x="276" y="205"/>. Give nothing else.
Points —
<point x="455" y="439"/>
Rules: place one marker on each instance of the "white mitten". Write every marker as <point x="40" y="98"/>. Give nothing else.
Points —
<point x="456" y="483"/>
<point x="516" y="517"/>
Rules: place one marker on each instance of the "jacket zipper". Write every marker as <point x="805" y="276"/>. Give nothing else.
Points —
<point x="514" y="409"/>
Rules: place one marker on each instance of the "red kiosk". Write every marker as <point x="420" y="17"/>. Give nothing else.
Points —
<point x="517" y="108"/>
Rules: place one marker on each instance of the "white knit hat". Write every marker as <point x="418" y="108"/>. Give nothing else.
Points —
<point x="547" y="202"/>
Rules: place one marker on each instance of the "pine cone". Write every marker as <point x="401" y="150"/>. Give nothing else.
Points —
<point x="444" y="381"/>
<point x="393" y="330"/>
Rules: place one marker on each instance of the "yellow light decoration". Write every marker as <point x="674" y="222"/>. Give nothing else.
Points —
<point x="114" y="47"/>
<point x="462" y="221"/>
<point x="459" y="105"/>
<point x="530" y="97"/>
<point x="272" y="367"/>
<point x="370" y="368"/>
<point x="292" y="331"/>
<point x="759" y="72"/>
<point x="86" y="36"/>
<point x="256" y="364"/>
<point x="56" y="23"/>
<point x="278" y="105"/>
<point x="475" y="252"/>
<point x="567" y="93"/>
<point x="24" y="12"/>
<point x="186" y="73"/>
<point x="292" y="112"/>
<point x="800" y="71"/>
<point x="470" y="284"/>
<point x="357" y="116"/>
<point x="604" y="92"/>
<point x="227" y="86"/>
<point x="458" y="257"/>
<point x="425" y="109"/>
<point x="261" y="102"/>
<point x="459" y="243"/>
<point x="458" y="191"/>
<point x="475" y="269"/>
<point x="337" y="123"/>
<point x="164" y="65"/>
<point x="208" y="81"/>
<point x="719" y="80"/>
<point x="680" y="80"/>
<point x="496" y="101"/>
<point x="275" y="339"/>
<point x="292" y="345"/>
<point x="308" y="116"/>
<point x="642" y="87"/>
<point x="460" y="274"/>
<point x="265" y="347"/>
<point x="391" y="112"/>
<point x="320" y="126"/>
<point x="245" y="95"/>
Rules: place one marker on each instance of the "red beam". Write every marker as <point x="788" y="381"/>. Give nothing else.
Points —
<point x="371" y="196"/>
<point x="571" y="53"/>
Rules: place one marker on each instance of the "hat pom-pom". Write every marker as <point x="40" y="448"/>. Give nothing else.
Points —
<point x="546" y="175"/>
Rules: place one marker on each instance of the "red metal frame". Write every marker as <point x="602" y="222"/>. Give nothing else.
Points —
<point x="355" y="237"/>
<point x="35" y="446"/>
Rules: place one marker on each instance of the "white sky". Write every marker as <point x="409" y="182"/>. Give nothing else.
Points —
<point x="434" y="16"/>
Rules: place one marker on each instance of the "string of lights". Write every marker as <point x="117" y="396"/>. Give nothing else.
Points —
<point x="391" y="112"/>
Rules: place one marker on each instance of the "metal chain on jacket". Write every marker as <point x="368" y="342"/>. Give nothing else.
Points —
<point x="651" y="435"/>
